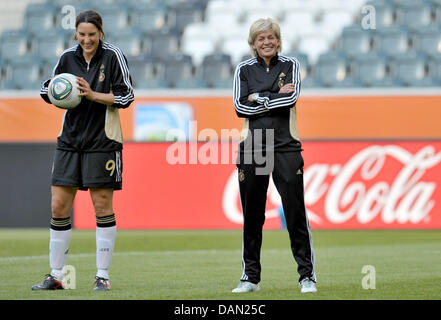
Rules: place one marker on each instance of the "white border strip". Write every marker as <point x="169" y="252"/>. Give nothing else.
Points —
<point x="134" y="253"/>
<point x="306" y="92"/>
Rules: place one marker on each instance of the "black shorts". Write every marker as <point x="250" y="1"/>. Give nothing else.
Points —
<point x="87" y="170"/>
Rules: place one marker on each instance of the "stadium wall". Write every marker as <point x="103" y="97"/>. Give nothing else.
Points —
<point x="396" y="133"/>
<point x="25" y="184"/>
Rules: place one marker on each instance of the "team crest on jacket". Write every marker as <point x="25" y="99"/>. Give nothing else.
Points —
<point x="241" y="175"/>
<point x="281" y="82"/>
<point x="102" y="75"/>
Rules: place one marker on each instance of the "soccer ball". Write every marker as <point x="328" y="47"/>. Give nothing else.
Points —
<point x="63" y="91"/>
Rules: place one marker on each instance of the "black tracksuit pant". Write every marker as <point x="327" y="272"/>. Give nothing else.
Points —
<point x="288" y="178"/>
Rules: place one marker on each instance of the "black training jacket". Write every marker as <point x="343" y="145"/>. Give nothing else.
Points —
<point x="272" y="110"/>
<point x="92" y="126"/>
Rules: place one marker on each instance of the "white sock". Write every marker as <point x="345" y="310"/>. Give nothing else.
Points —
<point x="58" y="248"/>
<point x="105" y="242"/>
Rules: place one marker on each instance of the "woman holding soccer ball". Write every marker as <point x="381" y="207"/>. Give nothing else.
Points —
<point x="88" y="153"/>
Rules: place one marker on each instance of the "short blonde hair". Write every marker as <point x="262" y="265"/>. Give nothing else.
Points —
<point x="262" y="25"/>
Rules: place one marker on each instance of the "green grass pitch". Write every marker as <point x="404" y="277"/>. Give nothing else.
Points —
<point x="206" y="265"/>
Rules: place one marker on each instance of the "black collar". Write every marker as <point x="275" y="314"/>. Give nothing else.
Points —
<point x="273" y="60"/>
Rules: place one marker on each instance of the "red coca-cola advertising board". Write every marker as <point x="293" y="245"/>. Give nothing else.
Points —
<point x="348" y="185"/>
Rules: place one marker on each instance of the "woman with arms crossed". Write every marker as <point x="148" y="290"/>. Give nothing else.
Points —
<point x="266" y="89"/>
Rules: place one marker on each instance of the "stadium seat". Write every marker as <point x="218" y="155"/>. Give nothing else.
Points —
<point x="154" y="83"/>
<point x="384" y="13"/>
<point x="236" y="49"/>
<point x="142" y="69"/>
<point x="336" y="17"/>
<point x="353" y="6"/>
<point x="391" y="40"/>
<point x="47" y="67"/>
<point x="14" y="43"/>
<point x="313" y="44"/>
<point x="410" y="69"/>
<point x="299" y="19"/>
<point x="261" y="9"/>
<point x="39" y="17"/>
<point x="372" y="70"/>
<point x="217" y="69"/>
<point x="437" y="11"/>
<point x="2" y="70"/>
<point x="222" y="12"/>
<point x="199" y="40"/>
<point x="333" y="16"/>
<point x="174" y="68"/>
<point x="246" y="56"/>
<point x="115" y="16"/>
<point x="224" y="84"/>
<point x="235" y="43"/>
<point x="128" y="40"/>
<point x="331" y="70"/>
<point x="303" y="61"/>
<point x="168" y="3"/>
<point x="290" y="35"/>
<point x="194" y="83"/>
<point x="61" y="3"/>
<point x="50" y="44"/>
<point x="435" y="69"/>
<point x="301" y="31"/>
<point x="147" y="16"/>
<point x="415" y="13"/>
<point x="427" y="39"/>
<point x="180" y="14"/>
<point x="200" y="29"/>
<point x="24" y="73"/>
<point x="355" y="40"/>
<point x="291" y="6"/>
<point x="311" y="82"/>
<point x="161" y="42"/>
<point x="98" y="4"/>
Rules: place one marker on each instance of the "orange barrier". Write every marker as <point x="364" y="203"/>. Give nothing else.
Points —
<point x="29" y="119"/>
<point x="321" y="117"/>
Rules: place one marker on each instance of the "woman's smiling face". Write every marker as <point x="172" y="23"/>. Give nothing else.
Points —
<point x="266" y="44"/>
<point x="88" y="37"/>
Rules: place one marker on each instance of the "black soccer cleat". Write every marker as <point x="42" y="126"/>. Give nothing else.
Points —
<point x="101" y="284"/>
<point x="49" y="283"/>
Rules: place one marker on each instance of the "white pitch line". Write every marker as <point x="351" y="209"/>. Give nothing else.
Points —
<point x="135" y="253"/>
<point x="129" y="253"/>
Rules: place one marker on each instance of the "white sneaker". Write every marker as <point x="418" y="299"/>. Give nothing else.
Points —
<point x="245" y="286"/>
<point x="307" y="285"/>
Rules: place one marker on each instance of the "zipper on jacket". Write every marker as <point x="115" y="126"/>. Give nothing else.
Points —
<point x="267" y="69"/>
<point x="88" y="63"/>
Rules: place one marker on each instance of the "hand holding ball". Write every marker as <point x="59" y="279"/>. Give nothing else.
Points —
<point x="63" y="92"/>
